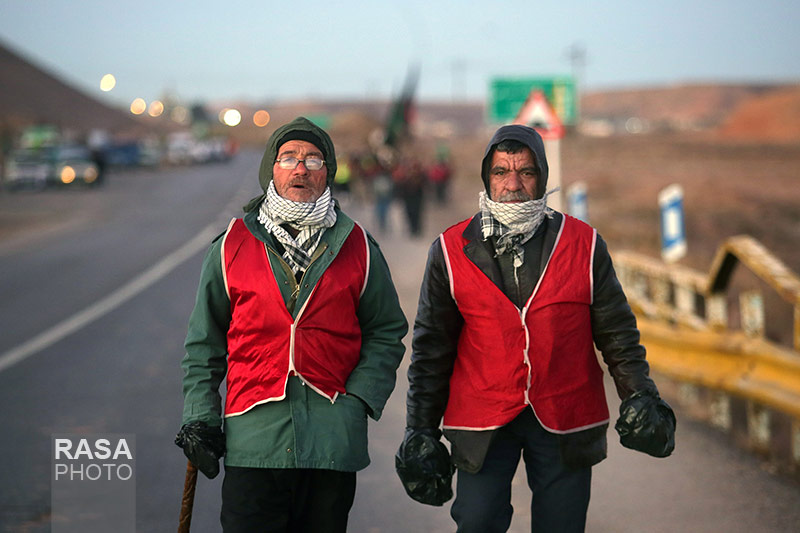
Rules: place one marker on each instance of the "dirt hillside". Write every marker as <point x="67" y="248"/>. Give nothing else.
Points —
<point x="772" y="117"/>
<point x="31" y="95"/>
<point x="677" y="107"/>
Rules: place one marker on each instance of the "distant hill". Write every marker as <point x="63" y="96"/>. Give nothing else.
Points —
<point x="684" y="107"/>
<point x="774" y="116"/>
<point x="29" y="95"/>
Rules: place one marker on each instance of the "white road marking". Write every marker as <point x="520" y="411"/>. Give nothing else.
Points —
<point x="138" y="284"/>
<point x="109" y="303"/>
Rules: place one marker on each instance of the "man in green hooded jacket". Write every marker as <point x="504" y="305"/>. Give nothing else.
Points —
<point x="297" y="310"/>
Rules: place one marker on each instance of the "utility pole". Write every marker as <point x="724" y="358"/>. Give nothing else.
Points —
<point x="576" y="53"/>
<point x="458" y="69"/>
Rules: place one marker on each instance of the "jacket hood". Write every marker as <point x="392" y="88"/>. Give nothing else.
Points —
<point x="527" y="136"/>
<point x="306" y="129"/>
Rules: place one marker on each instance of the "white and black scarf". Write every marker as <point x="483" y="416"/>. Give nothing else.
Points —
<point x="309" y="218"/>
<point x="513" y="223"/>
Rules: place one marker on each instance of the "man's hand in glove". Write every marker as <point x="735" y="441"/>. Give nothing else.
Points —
<point x="647" y="424"/>
<point x="203" y="445"/>
<point x="423" y="464"/>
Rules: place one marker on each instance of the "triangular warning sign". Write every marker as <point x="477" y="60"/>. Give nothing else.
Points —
<point x="537" y="113"/>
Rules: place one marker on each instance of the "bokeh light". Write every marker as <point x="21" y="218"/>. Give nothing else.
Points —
<point x="180" y="115"/>
<point x="261" y="118"/>
<point x="108" y="82"/>
<point x="67" y="174"/>
<point x="231" y="117"/>
<point x="156" y="108"/>
<point x="138" y="106"/>
<point x="90" y="175"/>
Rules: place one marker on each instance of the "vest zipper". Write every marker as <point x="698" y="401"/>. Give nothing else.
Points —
<point x="293" y="299"/>
<point x="317" y="253"/>
<point x="290" y="273"/>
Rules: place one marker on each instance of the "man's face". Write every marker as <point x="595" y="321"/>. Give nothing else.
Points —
<point x="299" y="184"/>
<point x="512" y="177"/>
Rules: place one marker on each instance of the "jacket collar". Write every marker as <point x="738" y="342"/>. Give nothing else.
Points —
<point x="481" y="252"/>
<point x="552" y="229"/>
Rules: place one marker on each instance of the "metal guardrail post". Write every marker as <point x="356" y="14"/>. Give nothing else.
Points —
<point x="797" y="327"/>
<point x="685" y="300"/>
<point x="717" y="312"/>
<point x="751" y="306"/>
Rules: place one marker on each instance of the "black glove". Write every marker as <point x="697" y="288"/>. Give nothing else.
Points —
<point x="203" y="445"/>
<point x="647" y="424"/>
<point x="423" y="464"/>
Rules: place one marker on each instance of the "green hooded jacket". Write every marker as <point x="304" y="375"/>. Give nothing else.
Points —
<point x="305" y="430"/>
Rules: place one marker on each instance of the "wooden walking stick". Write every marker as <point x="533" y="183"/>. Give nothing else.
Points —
<point x="187" y="501"/>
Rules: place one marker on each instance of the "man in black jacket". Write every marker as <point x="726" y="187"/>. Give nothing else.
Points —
<point x="512" y="304"/>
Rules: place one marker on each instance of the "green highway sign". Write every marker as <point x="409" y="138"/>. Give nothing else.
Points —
<point x="322" y="120"/>
<point x="506" y="96"/>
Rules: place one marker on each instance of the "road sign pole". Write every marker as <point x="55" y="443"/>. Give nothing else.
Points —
<point x="577" y="201"/>
<point x="552" y="148"/>
<point x="673" y="231"/>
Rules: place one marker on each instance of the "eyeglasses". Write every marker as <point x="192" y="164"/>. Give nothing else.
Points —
<point x="290" y="163"/>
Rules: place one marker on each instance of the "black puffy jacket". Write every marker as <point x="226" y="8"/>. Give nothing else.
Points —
<point x="438" y="325"/>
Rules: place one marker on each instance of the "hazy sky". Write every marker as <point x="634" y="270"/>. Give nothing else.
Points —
<point x="262" y="51"/>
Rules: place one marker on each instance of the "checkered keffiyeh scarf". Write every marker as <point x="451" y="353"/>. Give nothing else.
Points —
<point x="309" y="218"/>
<point x="513" y="224"/>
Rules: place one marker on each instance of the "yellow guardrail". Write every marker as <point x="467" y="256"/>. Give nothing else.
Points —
<point x="683" y="316"/>
<point x="732" y="362"/>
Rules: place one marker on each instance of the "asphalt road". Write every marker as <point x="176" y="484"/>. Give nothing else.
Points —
<point x="97" y="286"/>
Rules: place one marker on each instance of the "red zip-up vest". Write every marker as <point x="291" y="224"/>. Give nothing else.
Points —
<point x="266" y="345"/>
<point x="542" y="355"/>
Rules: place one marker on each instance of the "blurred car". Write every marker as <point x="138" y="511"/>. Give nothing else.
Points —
<point x="133" y="153"/>
<point x="183" y="149"/>
<point x="150" y="152"/>
<point x="52" y="165"/>
<point x="27" y="168"/>
<point x="74" y="164"/>
<point x="180" y="148"/>
<point x="122" y="154"/>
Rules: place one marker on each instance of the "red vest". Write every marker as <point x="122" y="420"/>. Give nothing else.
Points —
<point x="266" y="345"/>
<point x="542" y="355"/>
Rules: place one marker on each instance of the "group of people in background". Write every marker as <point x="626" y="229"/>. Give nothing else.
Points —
<point x="406" y="178"/>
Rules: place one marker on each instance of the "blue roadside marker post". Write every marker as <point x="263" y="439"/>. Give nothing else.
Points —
<point x="577" y="204"/>
<point x="673" y="230"/>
